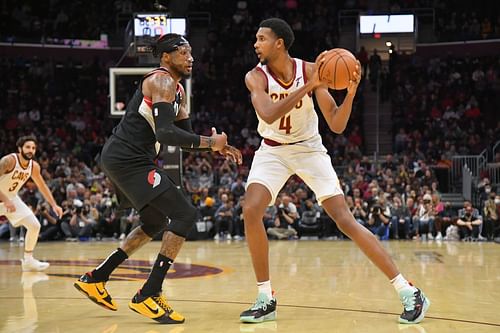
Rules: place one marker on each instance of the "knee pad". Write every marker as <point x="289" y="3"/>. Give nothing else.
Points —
<point x="182" y="222"/>
<point x="174" y="205"/>
<point x="153" y="221"/>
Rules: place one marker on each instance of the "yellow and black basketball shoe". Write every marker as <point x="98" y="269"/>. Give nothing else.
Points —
<point x="155" y="307"/>
<point x="95" y="291"/>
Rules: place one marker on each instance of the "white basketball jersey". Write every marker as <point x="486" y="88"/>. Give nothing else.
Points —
<point x="11" y="182"/>
<point x="301" y="123"/>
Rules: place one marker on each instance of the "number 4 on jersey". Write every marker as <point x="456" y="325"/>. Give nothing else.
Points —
<point x="285" y="124"/>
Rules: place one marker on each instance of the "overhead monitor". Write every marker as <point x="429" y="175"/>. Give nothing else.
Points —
<point x="400" y="23"/>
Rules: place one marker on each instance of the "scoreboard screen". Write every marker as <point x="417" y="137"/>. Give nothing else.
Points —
<point x="157" y="24"/>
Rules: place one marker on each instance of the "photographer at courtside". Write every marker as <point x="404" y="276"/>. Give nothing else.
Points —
<point x="379" y="219"/>
<point x="285" y="219"/>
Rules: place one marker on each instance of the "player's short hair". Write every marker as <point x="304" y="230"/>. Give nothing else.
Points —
<point x="281" y="29"/>
<point x="168" y="43"/>
<point x="22" y="140"/>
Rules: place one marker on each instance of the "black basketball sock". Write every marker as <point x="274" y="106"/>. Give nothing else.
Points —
<point x="104" y="270"/>
<point x="155" y="280"/>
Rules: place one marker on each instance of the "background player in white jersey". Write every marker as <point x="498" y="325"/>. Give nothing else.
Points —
<point x="15" y="170"/>
<point x="281" y="92"/>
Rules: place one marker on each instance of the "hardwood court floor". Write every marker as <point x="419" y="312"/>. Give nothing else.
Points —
<point x="322" y="286"/>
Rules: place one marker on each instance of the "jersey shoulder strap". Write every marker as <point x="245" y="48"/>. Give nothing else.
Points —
<point x="162" y="70"/>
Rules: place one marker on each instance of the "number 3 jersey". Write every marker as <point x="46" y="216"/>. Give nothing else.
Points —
<point x="300" y="123"/>
<point x="11" y="182"/>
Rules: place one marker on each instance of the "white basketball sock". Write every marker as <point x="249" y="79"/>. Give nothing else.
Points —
<point x="265" y="288"/>
<point x="399" y="283"/>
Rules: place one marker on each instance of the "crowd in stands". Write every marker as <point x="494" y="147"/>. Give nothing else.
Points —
<point x="392" y="199"/>
<point x="445" y="106"/>
<point x="466" y="21"/>
<point x="395" y="199"/>
<point x="38" y="22"/>
<point x="446" y="109"/>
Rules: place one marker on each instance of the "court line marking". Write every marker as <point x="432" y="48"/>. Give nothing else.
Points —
<point x="285" y="306"/>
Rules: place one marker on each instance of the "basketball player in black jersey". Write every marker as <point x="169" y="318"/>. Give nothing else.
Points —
<point x="156" y="115"/>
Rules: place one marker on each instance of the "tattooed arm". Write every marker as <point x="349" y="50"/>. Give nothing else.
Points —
<point x="162" y="89"/>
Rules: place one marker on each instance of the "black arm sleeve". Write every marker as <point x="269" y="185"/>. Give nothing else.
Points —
<point x="169" y="134"/>
<point x="185" y="124"/>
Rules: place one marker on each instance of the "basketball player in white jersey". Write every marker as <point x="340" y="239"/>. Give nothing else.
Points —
<point x="15" y="170"/>
<point x="281" y="89"/>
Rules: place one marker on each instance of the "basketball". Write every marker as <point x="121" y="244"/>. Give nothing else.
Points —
<point x="337" y="69"/>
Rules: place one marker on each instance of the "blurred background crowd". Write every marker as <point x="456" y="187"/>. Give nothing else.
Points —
<point x="440" y="107"/>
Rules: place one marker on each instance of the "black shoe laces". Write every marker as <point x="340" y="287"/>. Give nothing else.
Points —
<point x="162" y="301"/>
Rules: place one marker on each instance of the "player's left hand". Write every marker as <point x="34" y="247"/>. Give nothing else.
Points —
<point x="314" y="80"/>
<point x="231" y="153"/>
<point x="353" y="84"/>
<point x="58" y="210"/>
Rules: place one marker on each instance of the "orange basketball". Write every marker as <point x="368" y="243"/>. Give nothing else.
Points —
<point x="337" y="69"/>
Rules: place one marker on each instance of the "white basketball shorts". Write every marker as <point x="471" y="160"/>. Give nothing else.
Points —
<point x="272" y="166"/>
<point x="22" y="210"/>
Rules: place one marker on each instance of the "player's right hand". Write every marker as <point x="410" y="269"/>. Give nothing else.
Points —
<point x="58" y="210"/>
<point x="220" y="140"/>
<point x="9" y="206"/>
<point x="232" y="154"/>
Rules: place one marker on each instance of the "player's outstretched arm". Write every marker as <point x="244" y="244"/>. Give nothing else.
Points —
<point x="336" y="116"/>
<point x="229" y="152"/>
<point x="42" y="187"/>
<point x="162" y="89"/>
<point x="184" y="122"/>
